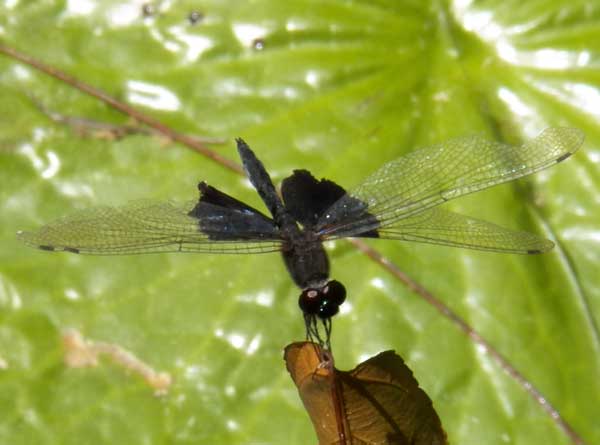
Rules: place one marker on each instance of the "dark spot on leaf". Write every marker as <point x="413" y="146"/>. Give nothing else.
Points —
<point x="194" y="17"/>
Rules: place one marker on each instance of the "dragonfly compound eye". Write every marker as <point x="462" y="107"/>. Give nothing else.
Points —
<point x="335" y="292"/>
<point x="310" y="301"/>
<point x="327" y="309"/>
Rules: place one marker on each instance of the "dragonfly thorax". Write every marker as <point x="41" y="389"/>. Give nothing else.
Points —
<point x="305" y="258"/>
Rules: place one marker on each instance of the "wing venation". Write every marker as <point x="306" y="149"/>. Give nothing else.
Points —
<point x="439" y="226"/>
<point x="431" y="176"/>
<point x="147" y="227"/>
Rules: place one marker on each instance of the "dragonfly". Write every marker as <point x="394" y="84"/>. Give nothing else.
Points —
<point x="399" y="201"/>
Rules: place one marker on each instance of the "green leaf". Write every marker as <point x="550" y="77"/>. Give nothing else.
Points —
<point x="338" y="88"/>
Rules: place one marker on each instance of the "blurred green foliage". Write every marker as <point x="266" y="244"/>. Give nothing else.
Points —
<point x="337" y="87"/>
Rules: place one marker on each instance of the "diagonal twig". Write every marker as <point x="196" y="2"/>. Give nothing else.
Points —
<point x="184" y="139"/>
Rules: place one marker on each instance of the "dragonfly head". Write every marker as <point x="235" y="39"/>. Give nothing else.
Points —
<point x="324" y="301"/>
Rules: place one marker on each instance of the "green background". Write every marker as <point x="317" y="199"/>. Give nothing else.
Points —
<point x="339" y="88"/>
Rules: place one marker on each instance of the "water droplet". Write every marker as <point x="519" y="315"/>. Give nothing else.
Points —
<point x="194" y="17"/>
<point x="148" y="10"/>
<point x="258" y="44"/>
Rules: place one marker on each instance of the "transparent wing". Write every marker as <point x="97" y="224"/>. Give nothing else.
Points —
<point x="150" y="227"/>
<point x="438" y="226"/>
<point x="428" y="177"/>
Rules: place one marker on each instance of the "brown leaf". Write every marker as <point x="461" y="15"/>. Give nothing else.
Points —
<point x="378" y="402"/>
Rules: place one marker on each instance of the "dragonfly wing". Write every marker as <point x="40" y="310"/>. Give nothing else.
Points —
<point x="151" y="227"/>
<point x="431" y="176"/>
<point x="439" y="226"/>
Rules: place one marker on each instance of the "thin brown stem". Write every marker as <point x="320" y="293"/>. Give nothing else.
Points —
<point x="504" y="364"/>
<point x="184" y="139"/>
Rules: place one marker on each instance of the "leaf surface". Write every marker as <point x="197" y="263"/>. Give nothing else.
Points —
<point x="338" y="88"/>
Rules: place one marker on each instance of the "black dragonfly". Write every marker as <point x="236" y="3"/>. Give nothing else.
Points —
<point x="399" y="201"/>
